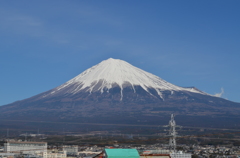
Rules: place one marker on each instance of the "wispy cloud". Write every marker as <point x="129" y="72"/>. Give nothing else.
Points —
<point x="19" y="24"/>
<point x="79" y="30"/>
<point x="219" y="94"/>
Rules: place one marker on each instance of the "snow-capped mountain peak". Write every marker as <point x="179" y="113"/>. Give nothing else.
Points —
<point x="115" y="72"/>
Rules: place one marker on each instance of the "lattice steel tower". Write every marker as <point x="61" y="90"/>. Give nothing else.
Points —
<point x="172" y="134"/>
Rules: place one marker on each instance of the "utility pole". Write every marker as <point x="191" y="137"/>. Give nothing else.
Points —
<point x="7" y="133"/>
<point x="63" y="136"/>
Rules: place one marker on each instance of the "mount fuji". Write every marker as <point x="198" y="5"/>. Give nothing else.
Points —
<point x="116" y="73"/>
<point x="116" y="91"/>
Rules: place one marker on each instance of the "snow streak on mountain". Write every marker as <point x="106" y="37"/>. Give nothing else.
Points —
<point x="114" y="72"/>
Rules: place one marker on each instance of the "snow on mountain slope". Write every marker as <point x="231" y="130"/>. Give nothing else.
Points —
<point x="114" y="72"/>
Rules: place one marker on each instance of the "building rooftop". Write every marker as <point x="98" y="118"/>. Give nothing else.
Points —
<point x="23" y="142"/>
<point x="121" y="153"/>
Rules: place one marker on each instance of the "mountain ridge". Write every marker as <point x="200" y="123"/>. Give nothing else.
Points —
<point x="96" y="94"/>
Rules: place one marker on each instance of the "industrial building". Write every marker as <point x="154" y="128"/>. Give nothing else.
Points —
<point x="32" y="148"/>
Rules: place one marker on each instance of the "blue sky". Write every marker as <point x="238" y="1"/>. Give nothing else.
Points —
<point x="188" y="43"/>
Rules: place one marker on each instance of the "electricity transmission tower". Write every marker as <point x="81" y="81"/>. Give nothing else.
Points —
<point x="172" y="134"/>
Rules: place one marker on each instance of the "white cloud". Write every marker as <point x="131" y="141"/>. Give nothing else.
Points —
<point x="219" y="94"/>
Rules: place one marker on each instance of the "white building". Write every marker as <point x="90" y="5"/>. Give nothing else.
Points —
<point x="33" y="148"/>
<point x="164" y="154"/>
<point x="71" y="149"/>
<point x="180" y="155"/>
<point x="57" y="154"/>
<point x="6" y="155"/>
